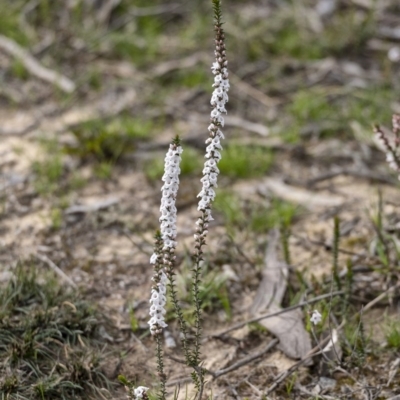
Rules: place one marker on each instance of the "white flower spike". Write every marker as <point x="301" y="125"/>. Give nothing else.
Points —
<point x="169" y="193"/>
<point x="218" y="100"/>
<point x="165" y="239"/>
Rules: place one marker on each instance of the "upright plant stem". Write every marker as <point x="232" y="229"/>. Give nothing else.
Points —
<point x="169" y="260"/>
<point x="160" y="367"/>
<point x="210" y="174"/>
<point x="335" y="251"/>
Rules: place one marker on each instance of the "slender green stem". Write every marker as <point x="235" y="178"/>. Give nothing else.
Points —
<point x="160" y="367"/>
<point x="198" y="258"/>
<point x="169" y="260"/>
<point x="335" y="251"/>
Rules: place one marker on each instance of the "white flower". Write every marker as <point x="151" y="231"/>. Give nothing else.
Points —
<point x="394" y="54"/>
<point x="139" y="392"/>
<point x="316" y="317"/>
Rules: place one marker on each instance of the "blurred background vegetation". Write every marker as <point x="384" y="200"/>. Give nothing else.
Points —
<point x="304" y="70"/>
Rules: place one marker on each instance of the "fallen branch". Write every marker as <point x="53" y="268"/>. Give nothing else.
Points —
<point x="261" y="317"/>
<point x="378" y="298"/>
<point x="244" y="361"/>
<point x="56" y="269"/>
<point x="34" y="67"/>
<point x="306" y="198"/>
<point x="366" y="174"/>
<point x="179" y="64"/>
<point x="253" y="92"/>
<point x="237" y="365"/>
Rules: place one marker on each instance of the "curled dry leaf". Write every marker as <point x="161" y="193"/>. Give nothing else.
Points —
<point x="294" y="340"/>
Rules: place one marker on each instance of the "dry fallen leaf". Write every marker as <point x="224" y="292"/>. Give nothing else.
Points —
<point x="294" y="340"/>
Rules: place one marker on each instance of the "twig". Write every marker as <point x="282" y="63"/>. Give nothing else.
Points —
<point x="56" y="269"/>
<point x="34" y="67"/>
<point x="240" y="251"/>
<point x="179" y="382"/>
<point x="236" y="121"/>
<point x="307" y="198"/>
<point x="253" y="92"/>
<point x="359" y="174"/>
<point x="171" y="65"/>
<point x="233" y="367"/>
<point x="378" y="298"/>
<point x="255" y="389"/>
<point x="103" y="15"/>
<point x="256" y="319"/>
<point x="245" y="360"/>
<point x="21" y="131"/>
<point x="135" y="12"/>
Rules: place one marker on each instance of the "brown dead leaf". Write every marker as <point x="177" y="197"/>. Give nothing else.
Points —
<point x="288" y="328"/>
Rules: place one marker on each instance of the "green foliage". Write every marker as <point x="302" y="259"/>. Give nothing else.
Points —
<point x="330" y="114"/>
<point x="154" y="169"/>
<point x="48" y="173"/>
<point x="56" y="218"/>
<point x="192" y="162"/>
<point x="290" y="38"/>
<point x="392" y="333"/>
<point x="18" y="70"/>
<point x="245" y="161"/>
<point x="228" y="204"/>
<point x="191" y="78"/>
<point x="10" y="21"/>
<point x="358" y="341"/>
<point x="256" y="217"/>
<point x="104" y="170"/>
<point x="213" y="292"/>
<point x="369" y="106"/>
<point x="278" y="213"/>
<point x="133" y="320"/>
<point x="142" y="46"/>
<point x="348" y="286"/>
<point x="335" y="253"/>
<point x="76" y="181"/>
<point x="290" y="383"/>
<point x="51" y="177"/>
<point x="107" y="141"/>
<point x="49" y="345"/>
<point x="348" y="30"/>
<point x="288" y="32"/>
<point x="311" y="106"/>
<point x="95" y="79"/>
